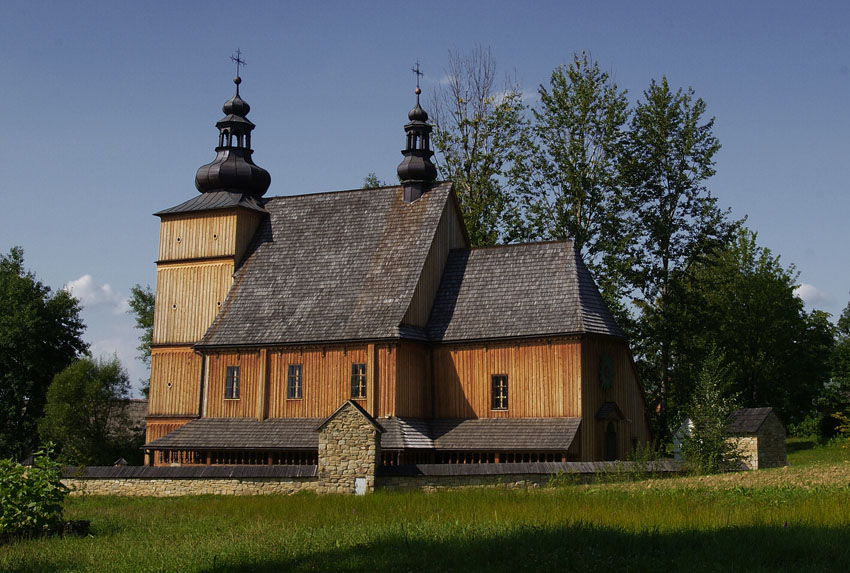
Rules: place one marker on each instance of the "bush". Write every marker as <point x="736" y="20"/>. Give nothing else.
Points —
<point x="707" y="450"/>
<point x="31" y="497"/>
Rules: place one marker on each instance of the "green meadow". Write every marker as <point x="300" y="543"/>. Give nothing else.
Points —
<point x="785" y="519"/>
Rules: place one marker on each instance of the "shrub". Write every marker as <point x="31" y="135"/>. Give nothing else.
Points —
<point x="31" y="497"/>
<point x="706" y="449"/>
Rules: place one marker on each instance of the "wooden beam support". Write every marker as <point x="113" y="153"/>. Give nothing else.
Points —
<point x="262" y="386"/>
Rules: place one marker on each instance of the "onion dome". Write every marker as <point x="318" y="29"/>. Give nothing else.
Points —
<point x="233" y="169"/>
<point x="416" y="171"/>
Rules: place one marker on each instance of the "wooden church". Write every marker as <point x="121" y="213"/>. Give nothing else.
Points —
<point x="272" y="313"/>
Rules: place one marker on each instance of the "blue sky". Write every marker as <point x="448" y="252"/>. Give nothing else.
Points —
<point x="111" y="106"/>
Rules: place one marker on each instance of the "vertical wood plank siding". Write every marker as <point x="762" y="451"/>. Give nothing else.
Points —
<point x="188" y="297"/>
<point x="197" y="236"/>
<point x="326" y="380"/>
<point x="625" y="392"/>
<point x="449" y="235"/>
<point x="250" y="363"/>
<point x="543" y="379"/>
<point x="387" y="357"/>
<point x="413" y="388"/>
<point x="180" y="367"/>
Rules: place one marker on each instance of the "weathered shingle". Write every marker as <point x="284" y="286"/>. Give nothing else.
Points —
<point x="215" y="200"/>
<point x="483" y="434"/>
<point x="747" y="420"/>
<point x="330" y="267"/>
<point x="242" y="434"/>
<point x="518" y="291"/>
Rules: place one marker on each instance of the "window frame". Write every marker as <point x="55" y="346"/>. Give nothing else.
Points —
<point x="231" y="383"/>
<point x="358" y="381"/>
<point x="295" y="382"/>
<point x="499" y="392"/>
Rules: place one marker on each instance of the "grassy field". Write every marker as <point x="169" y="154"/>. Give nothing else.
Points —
<point x="796" y="518"/>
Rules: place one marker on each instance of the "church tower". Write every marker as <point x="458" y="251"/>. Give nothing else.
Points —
<point x="202" y="242"/>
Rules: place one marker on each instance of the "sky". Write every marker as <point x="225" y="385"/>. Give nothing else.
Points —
<point x="113" y="107"/>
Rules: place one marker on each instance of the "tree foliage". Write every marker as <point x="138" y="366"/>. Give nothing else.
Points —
<point x="371" y="181"/>
<point x="706" y="448"/>
<point x="141" y="303"/>
<point x="40" y="334"/>
<point x="568" y="176"/>
<point x="31" y="497"/>
<point x="477" y="132"/>
<point x="741" y="300"/>
<point x="672" y="218"/>
<point x="86" y="415"/>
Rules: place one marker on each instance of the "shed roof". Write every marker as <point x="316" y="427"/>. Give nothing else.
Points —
<point x="512" y="291"/>
<point x="747" y="420"/>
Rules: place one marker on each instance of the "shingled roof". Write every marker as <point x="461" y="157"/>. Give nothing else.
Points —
<point x="330" y="267"/>
<point x="483" y="434"/>
<point x="747" y="420"/>
<point x="515" y="291"/>
<point x="213" y="201"/>
<point x="242" y="434"/>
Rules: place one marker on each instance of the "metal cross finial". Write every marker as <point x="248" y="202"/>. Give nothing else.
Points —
<point x="417" y="72"/>
<point x="238" y="59"/>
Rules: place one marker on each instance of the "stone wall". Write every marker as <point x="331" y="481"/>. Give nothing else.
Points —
<point x="349" y="448"/>
<point x="767" y="448"/>
<point x="179" y="487"/>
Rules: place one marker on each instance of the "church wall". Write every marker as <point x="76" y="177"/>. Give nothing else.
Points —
<point x="198" y="235"/>
<point x="326" y="380"/>
<point x="625" y="392"/>
<point x="413" y="387"/>
<point x="216" y="405"/>
<point x="543" y="378"/>
<point x="188" y="297"/>
<point x="175" y="382"/>
<point x="449" y="235"/>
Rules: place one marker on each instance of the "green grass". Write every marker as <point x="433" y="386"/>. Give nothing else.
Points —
<point x="573" y="527"/>
<point x="807" y="451"/>
<point x="795" y="518"/>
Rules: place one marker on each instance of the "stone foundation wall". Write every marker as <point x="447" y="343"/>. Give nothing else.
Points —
<point x="179" y="487"/>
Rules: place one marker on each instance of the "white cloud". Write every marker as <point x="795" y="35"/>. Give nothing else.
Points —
<point x="91" y="294"/>
<point x="813" y="296"/>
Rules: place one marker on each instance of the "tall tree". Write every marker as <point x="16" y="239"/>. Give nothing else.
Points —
<point x="477" y="130"/>
<point x="672" y="217"/>
<point x="40" y="334"/>
<point x="741" y="300"/>
<point x="142" y="301"/>
<point x="568" y="176"/>
<point x="85" y="413"/>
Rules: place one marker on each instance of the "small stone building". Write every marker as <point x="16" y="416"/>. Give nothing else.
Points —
<point x="757" y="432"/>
<point x="760" y="437"/>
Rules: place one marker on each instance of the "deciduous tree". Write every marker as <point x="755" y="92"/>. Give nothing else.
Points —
<point x="741" y="300"/>
<point x="568" y="176"/>
<point x="478" y="128"/>
<point x="40" y="334"/>
<point x="85" y="414"/>
<point x="672" y="218"/>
